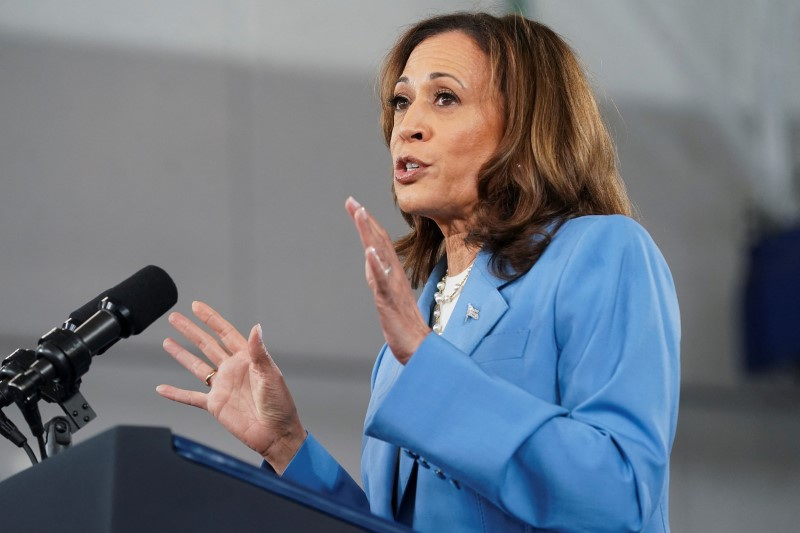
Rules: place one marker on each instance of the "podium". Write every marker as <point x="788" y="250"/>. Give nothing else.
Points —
<point x="136" y="479"/>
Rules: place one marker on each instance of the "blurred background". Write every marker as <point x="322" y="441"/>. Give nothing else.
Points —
<point x="219" y="140"/>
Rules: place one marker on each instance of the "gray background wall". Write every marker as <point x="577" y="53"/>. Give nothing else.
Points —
<point x="219" y="140"/>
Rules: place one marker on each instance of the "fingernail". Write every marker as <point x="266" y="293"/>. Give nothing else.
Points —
<point x="354" y="201"/>
<point x="260" y="333"/>
<point x="160" y="389"/>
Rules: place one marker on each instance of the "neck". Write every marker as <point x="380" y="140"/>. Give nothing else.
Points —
<point x="459" y="255"/>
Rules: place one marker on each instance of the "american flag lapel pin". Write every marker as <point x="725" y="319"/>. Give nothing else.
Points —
<point x="472" y="313"/>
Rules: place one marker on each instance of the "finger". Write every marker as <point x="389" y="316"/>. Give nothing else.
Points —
<point x="229" y="335"/>
<point x="373" y="234"/>
<point x="361" y="219"/>
<point x="381" y="259"/>
<point x="378" y="272"/>
<point x="258" y="351"/>
<point x="352" y="205"/>
<point x="199" y="368"/>
<point x="362" y="226"/>
<point x="186" y="397"/>
<point x="379" y="264"/>
<point x="200" y="338"/>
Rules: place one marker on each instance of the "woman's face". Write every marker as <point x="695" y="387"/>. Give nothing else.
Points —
<point x="447" y="123"/>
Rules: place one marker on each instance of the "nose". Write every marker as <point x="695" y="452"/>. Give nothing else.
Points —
<point x="414" y="125"/>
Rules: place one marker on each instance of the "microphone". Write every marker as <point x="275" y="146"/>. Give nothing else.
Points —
<point x="18" y="361"/>
<point x="64" y="354"/>
<point x="145" y="296"/>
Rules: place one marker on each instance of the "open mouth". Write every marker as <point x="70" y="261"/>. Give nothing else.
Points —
<point x="408" y="168"/>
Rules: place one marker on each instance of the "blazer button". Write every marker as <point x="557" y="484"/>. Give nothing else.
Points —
<point x="455" y="483"/>
<point x="439" y="474"/>
<point x="411" y="454"/>
<point x="423" y="463"/>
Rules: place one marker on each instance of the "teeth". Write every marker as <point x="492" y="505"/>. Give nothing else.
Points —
<point x="410" y="165"/>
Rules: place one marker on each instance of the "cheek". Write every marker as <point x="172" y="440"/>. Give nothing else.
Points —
<point x="394" y="136"/>
<point x="483" y="139"/>
<point x="392" y="146"/>
<point x="471" y="148"/>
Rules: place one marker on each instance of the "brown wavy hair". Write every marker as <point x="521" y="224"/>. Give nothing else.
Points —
<point x="555" y="160"/>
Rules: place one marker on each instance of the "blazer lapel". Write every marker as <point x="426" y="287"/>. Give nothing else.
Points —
<point x="478" y="308"/>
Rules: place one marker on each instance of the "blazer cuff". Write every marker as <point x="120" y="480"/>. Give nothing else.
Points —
<point x="314" y="468"/>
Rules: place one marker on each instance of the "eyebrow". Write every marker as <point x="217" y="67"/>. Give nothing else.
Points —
<point x="433" y="76"/>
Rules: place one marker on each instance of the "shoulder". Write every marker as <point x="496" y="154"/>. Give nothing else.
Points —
<point x="606" y="238"/>
<point x="605" y="250"/>
<point x="611" y="228"/>
<point x="597" y="249"/>
<point x="609" y="251"/>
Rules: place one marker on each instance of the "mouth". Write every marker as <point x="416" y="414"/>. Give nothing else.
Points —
<point x="408" y="169"/>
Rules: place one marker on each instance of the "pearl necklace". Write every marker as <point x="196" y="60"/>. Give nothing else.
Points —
<point x="441" y="298"/>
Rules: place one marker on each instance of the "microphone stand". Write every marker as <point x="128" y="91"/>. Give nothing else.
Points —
<point x="11" y="366"/>
<point x="59" y="430"/>
<point x="55" y="436"/>
<point x="58" y="436"/>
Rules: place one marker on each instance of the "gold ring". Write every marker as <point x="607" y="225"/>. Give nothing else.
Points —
<point x="209" y="376"/>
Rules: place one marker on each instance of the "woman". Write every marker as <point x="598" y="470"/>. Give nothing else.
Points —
<point x="535" y="384"/>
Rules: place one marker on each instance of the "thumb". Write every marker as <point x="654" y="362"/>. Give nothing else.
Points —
<point x="257" y="350"/>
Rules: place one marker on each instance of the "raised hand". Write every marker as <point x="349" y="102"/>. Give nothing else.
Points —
<point x="403" y="327"/>
<point x="247" y="395"/>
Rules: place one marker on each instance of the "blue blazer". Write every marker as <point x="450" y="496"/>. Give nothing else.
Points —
<point x="552" y="409"/>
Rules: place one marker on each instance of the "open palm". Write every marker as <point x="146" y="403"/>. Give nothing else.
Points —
<point x="248" y="396"/>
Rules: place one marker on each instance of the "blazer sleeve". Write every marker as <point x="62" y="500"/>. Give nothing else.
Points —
<point x="598" y="458"/>
<point x="314" y="468"/>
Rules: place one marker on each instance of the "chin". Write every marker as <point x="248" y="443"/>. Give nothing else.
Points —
<point x="410" y="205"/>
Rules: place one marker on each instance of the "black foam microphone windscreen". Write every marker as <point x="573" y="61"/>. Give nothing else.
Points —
<point x="147" y="295"/>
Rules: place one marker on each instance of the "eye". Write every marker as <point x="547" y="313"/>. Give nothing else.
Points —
<point x="399" y="103"/>
<point x="445" y="98"/>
